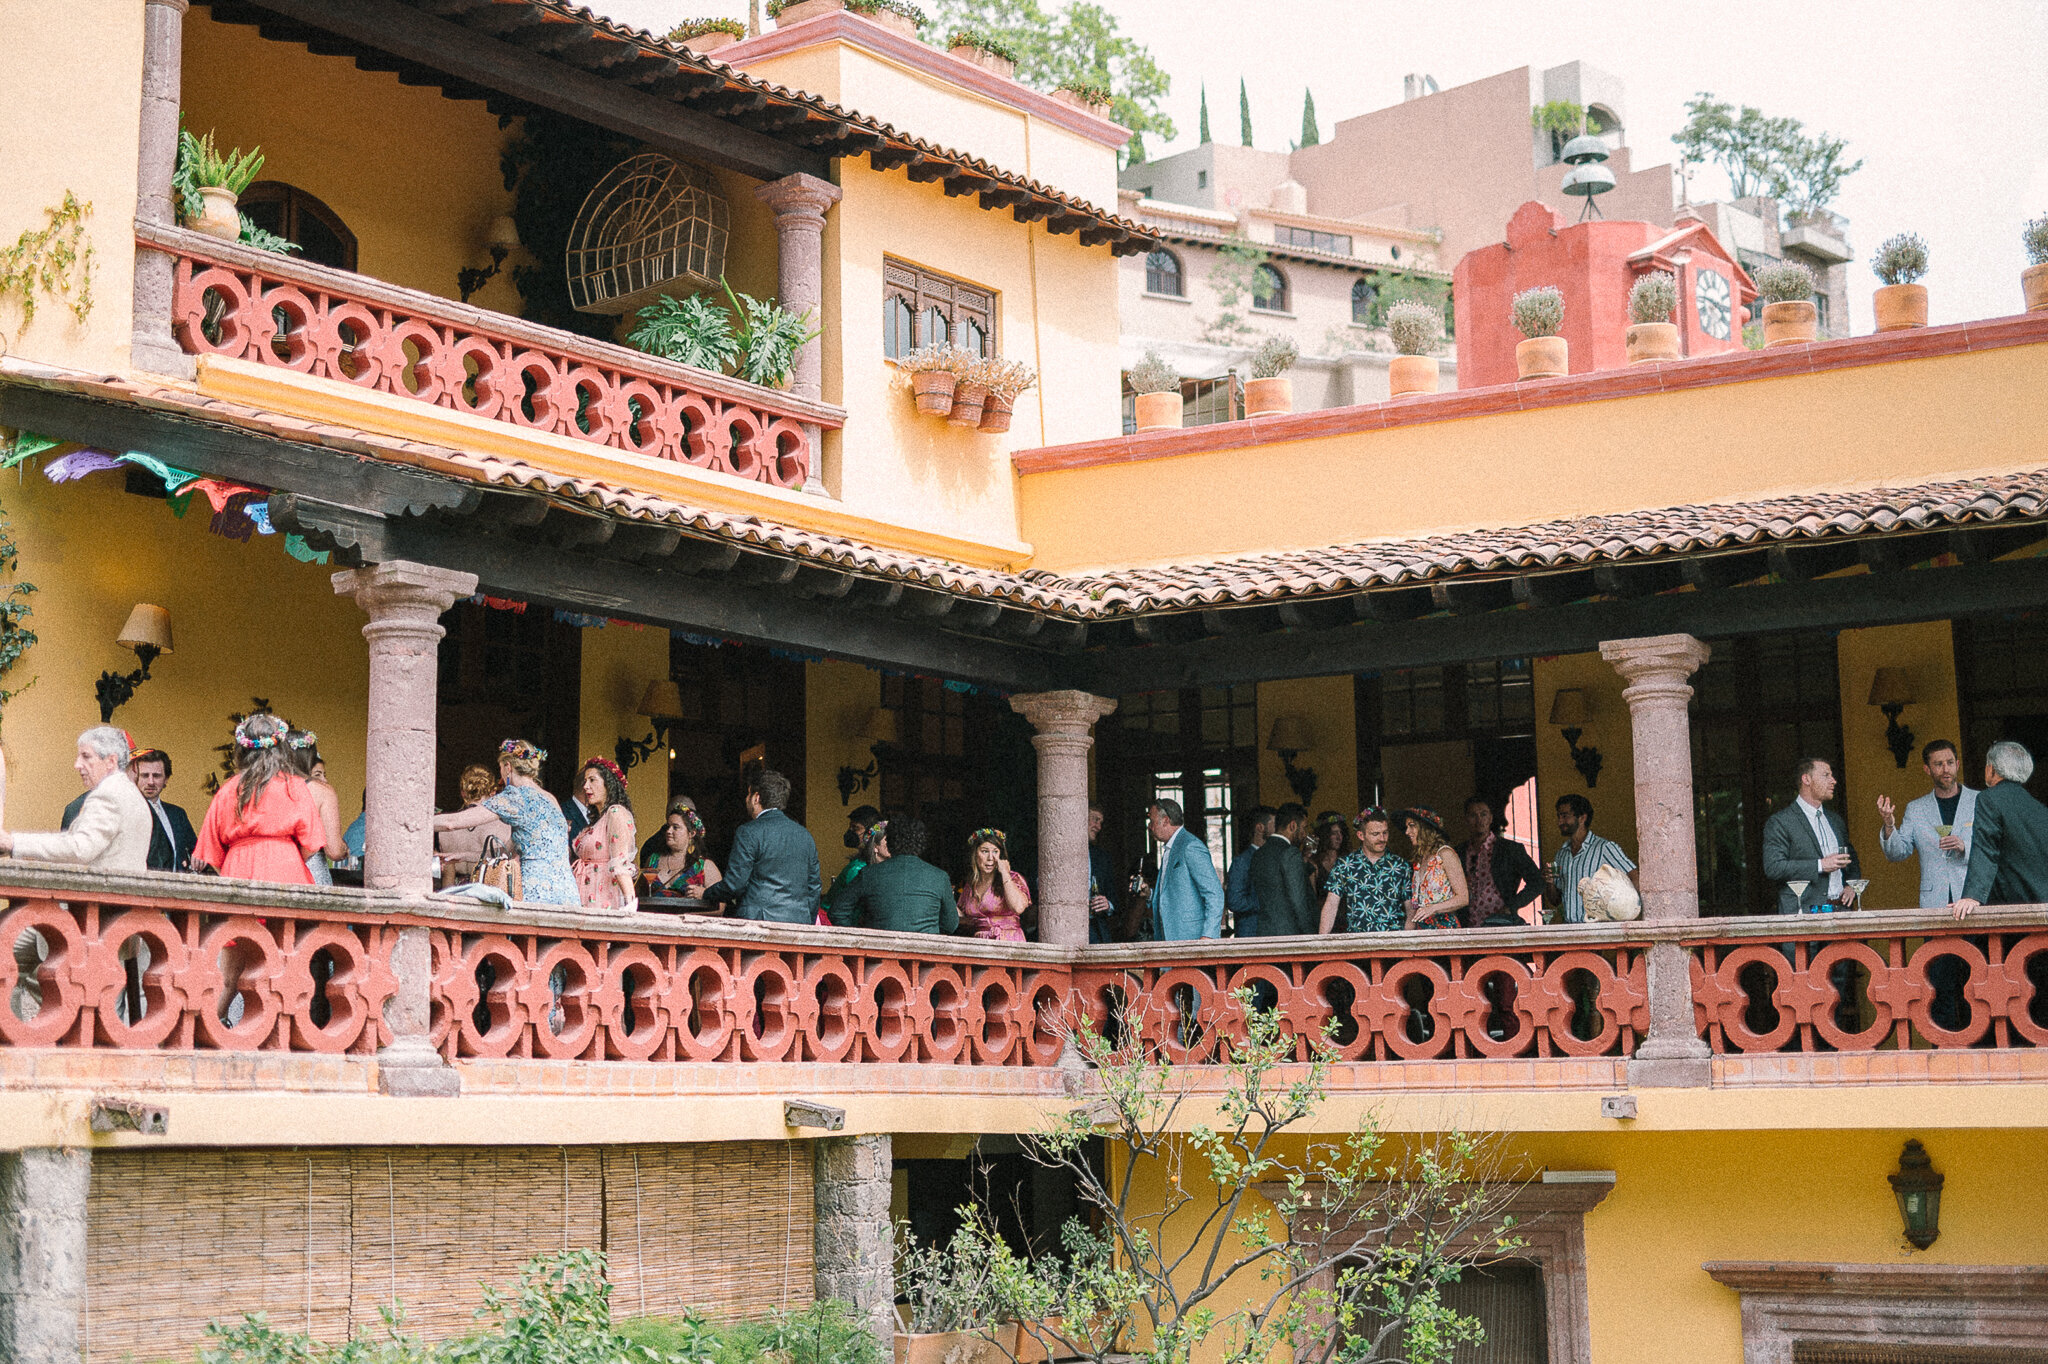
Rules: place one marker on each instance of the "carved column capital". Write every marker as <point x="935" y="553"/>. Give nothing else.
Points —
<point x="800" y="196"/>
<point x="1656" y="667"/>
<point x="1070" y="714"/>
<point x="404" y="592"/>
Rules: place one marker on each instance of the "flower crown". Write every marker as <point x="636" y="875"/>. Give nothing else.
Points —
<point x="1371" y="814"/>
<point x="992" y="835"/>
<point x="608" y="765"/>
<point x="305" y="738"/>
<point x="520" y="748"/>
<point x="692" y="821"/>
<point x="244" y="739"/>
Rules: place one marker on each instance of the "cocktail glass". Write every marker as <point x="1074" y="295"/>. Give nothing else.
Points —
<point x="1856" y="889"/>
<point x="1798" y="889"/>
<point x="1943" y="831"/>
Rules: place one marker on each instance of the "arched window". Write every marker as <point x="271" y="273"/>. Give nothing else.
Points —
<point x="969" y="336"/>
<point x="897" y="322"/>
<point x="297" y="216"/>
<point x="1162" y="274"/>
<point x="1269" y="290"/>
<point x="934" y="327"/>
<point x="1363" y="297"/>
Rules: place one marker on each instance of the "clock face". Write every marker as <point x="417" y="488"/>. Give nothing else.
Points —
<point x="1716" y="308"/>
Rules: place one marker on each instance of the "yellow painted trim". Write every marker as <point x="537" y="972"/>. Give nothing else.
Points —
<point x="329" y="400"/>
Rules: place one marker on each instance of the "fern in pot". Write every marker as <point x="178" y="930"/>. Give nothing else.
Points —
<point x="1269" y="392"/>
<point x="1006" y="379"/>
<point x="2034" y="279"/>
<point x="1790" y="318"/>
<point x="934" y="373"/>
<point x="207" y="182"/>
<point x="1415" y="328"/>
<point x="1538" y="314"/>
<point x="1158" y="388"/>
<point x="1652" y="303"/>
<point x="1901" y="301"/>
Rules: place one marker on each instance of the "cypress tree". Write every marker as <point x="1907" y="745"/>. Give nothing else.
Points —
<point x="1205" y="114"/>
<point x="1309" y="135"/>
<point x="1244" y="112"/>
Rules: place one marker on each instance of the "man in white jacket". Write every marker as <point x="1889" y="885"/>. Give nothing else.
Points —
<point x="111" y="832"/>
<point x="1936" y="826"/>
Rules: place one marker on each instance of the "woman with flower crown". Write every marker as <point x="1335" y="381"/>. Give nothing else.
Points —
<point x="302" y="746"/>
<point x="540" y="833"/>
<point x="263" y="823"/>
<point x="993" y="901"/>
<point x="605" y="848"/>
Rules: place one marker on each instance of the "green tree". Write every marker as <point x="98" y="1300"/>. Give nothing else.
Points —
<point x="1206" y="139"/>
<point x="1310" y="134"/>
<point x="1748" y="144"/>
<point x="1812" y="174"/>
<point x="1231" y="280"/>
<point x="1078" y="43"/>
<point x="1244" y="112"/>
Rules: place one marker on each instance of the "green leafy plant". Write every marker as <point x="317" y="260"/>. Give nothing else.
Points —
<point x="983" y="41"/>
<point x="1153" y="375"/>
<point x="205" y="167"/>
<point x="1414" y="326"/>
<point x="16" y="638"/>
<point x="902" y="7"/>
<point x="263" y="239"/>
<point x="1538" y="312"/>
<point x="689" y="331"/>
<point x="769" y="337"/>
<point x="53" y="261"/>
<point x="950" y="1287"/>
<point x="1230" y="279"/>
<point x="1784" y="282"/>
<point x="697" y="28"/>
<point x="1274" y="357"/>
<point x="1558" y="117"/>
<point x="1901" y="259"/>
<point x="1089" y="91"/>
<point x="2034" y="237"/>
<point x="825" y="1332"/>
<point x="1763" y="154"/>
<point x="1654" y="297"/>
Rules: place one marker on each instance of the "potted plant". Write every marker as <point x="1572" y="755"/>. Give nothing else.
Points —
<point x="1269" y="392"/>
<point x="787" y="13"/>
<point x="2034" y="279"/>
<point x="706" y="36"/>
<point x="1537" y="314"/>
<point x="898" y="16"/>
<point x="984" y="50"/>
<point x="688" y="331"/>
<point x="1902" y="301"/>
<point x="934" y="372"/>
<point x="1093" y="96"/>
<point x="768" y="338"/>
<point x="953" y="1301"/>
<point x="1415" y="328"/>
<point x="1006" y="379"/>
<point x="1652" y="335"/>
<point x="207" y="184"/>
<point x="970" y="390"/>
<point x="1786" y="288"/>
<point x="1158" y="388"/>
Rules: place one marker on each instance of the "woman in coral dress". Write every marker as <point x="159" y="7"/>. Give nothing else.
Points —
<point x="605" y="850"/>
<point x="993" y="901"/>
<point x="263" y="823"/>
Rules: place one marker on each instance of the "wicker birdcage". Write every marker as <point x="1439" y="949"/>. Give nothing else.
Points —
<point x="652" y="223"/>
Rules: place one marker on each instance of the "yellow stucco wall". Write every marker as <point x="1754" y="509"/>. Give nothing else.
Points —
<point x="1927" y="653"/>
<point x="837" y="699"/>
<point x="1841" y="428"/>
<point x="1326" y="703"/>
<point x="618" y="663"/>
<point x="70" y="122"/>
<point x="1607" y="729"/>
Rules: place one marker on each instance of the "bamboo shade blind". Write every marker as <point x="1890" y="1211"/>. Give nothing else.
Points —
<point x="321" y="1239"/>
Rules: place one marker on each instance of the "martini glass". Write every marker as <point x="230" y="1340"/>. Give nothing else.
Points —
<point x="1856" y="889"/>
<point x="1798" y="889"/>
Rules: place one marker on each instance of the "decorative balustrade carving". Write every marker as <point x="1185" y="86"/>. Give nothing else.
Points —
<point x="271" y="310"/>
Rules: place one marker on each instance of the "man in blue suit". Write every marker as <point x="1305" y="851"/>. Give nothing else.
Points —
<point x="773" y="871"/>
<point x="1187" y="902"/>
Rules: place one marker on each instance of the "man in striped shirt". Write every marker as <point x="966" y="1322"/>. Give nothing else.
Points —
<point x="1582" y="853"/>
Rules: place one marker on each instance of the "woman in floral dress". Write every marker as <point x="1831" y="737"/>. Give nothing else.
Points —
<point x="1439" y="876"/>
<point x="606" y="846"/>
<point x="540" y="833"/>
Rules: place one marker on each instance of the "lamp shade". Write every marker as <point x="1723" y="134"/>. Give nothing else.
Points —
<point x="503" y="233"/>
<point x="149" y="625"/>
<point x="662" y="700"/>
<point x="1888" y="687"/>
<point x="1290" y="735"/>
<point x="1569" y="707"/>
<point x="880" y="727"/>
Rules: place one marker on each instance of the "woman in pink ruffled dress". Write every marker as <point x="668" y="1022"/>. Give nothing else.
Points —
<point x="993" y="901"/>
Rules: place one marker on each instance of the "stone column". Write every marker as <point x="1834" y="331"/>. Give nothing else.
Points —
<point x="854" y="1250"/>
<point x="1657" y="670"/>
<point x="800" y="202"/>
<point x="42" y="1253"/>
<point x="1065" y="721"/>
<point x="404" y="602"/>
<point x="152" y="346"/>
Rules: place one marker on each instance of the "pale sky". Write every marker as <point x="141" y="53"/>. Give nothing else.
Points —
<point x="1946" y="102"/>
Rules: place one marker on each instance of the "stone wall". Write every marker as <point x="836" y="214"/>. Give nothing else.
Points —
<point x="855" y="1250"/>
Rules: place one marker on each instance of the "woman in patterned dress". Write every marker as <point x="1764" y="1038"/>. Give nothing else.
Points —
<point x="1440" y="890"/>
<point x="606" y="846"/>
<point x="993" y="901"/>
<point x="676" y="863"/>
<point x="539" y="831"/>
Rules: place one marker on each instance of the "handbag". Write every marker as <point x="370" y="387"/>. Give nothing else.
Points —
<point x="498" y="868"/>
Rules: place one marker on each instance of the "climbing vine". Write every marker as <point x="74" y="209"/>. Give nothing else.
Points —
<point x="15" y="638"/>
<point x="55" y="262"/>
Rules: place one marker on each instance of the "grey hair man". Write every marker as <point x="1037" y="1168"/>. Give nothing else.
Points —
<point x="111" y="832"/>
<point x="2009" y="847"/>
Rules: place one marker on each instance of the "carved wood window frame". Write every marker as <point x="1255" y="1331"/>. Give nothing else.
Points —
<point x="1954" y="1312"/>
<point x="962" y="302"/>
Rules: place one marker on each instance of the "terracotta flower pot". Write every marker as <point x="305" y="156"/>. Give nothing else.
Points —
<point x="704" y="44"/>
<point x="1899" y="306"/>
<point x="987" y="61"/>
<point x="217" y="215"/>
<point x="1039" y="1342"/>
<point x="894" y="22"/>
<point x="967" y="404"/>
<point x="1542" y="357"/>
<point x="806" y="9"/>
<point x="995" y="414"/>
<point x="934" y="390"/>
<point x="1648" y="341"/>
<point x="991" y="1345"/>
<point x="1411" y="374"/>
<point x="1268" y="397"/>
<point x="1082" y="102"/>
<point x="2034" y="286"/>
<point x="1158" y="411"/>
<point x="1788" y="324"/>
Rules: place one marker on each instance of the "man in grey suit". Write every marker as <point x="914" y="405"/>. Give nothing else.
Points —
<point x="2009" y="853"/>
<point x="1188" y="901"/>
<point x="1280" y="878"/>
<point x="1807" y="842"/>
<point x="773" y="871"/>
<point x="1944" y="857"/>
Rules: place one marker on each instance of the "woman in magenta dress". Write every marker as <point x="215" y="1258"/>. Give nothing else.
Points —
<point x="263" y="823"/>
<point x="993" y="901"/>
<point x="605" y="850"/>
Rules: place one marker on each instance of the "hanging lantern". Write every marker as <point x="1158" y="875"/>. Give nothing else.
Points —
<point x="1583" y="149"/>
<point x="1917" y="1186"/>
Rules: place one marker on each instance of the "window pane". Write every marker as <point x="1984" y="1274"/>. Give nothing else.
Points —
<point x="1363" y="296"/>
<point x="971" y="338"/>
<point x="935" y="327"/>
<point x="896" y="327"/>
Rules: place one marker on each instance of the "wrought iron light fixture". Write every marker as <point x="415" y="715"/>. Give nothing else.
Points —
<point x="148" y="633"/>
<point x="1917" y="1186"/>
<point x="662" y="703"/>
<point x="501" y="241"/>
<point x="878" y="732"/>
<point x="1891" y="691"/>
<point x="1569" y="711"/>
<point x="1289" y="738"/>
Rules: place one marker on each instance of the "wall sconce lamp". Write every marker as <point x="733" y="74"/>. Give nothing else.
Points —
<point x="662" y="703"/>
<point x="1917" y="1186"/>
<point x="1289" y="738"/>
<point x="148" y="633"/>
<point x="1891" y="691"/>
<point x="501" y="241"/>
<point x="876" y="733"/>
<point x="1569" y="711"/>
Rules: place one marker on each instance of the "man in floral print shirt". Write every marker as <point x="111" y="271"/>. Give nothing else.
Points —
<point x="1372" y="883"/>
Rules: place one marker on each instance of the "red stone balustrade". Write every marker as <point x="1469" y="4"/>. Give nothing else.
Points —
<point x="269" y="309"/>
<point x="235" y="966"/>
